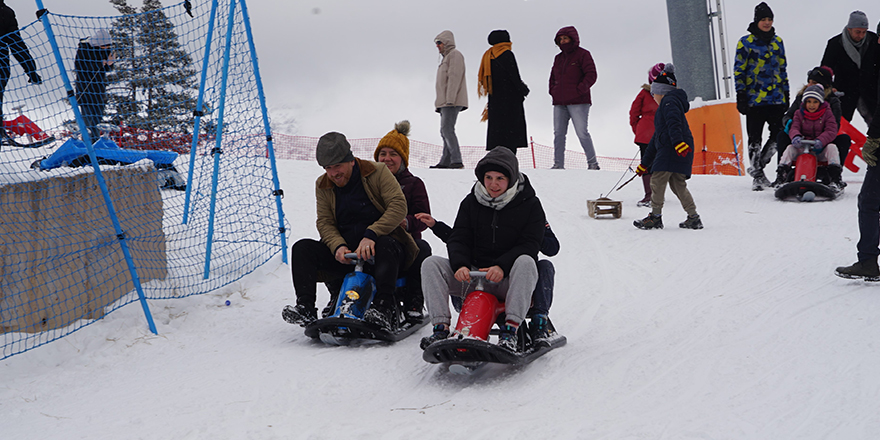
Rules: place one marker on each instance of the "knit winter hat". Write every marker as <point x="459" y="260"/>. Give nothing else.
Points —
<point x="815" y="91"/>
<point x="763" y="11"/>
<point x="665" y="82"/>
<point x="333" y="149"/>
<point x="499" y="159"/>
<point x="397" y="140"/>
<point x="857" y="20"/>
<point x="822" y="75"/>
<point x="100" y="38"/>
<point x="654" y="71"/>
<point x="499" y="36"/>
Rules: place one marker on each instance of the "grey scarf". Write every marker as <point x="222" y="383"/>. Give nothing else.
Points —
<point x="498" y="203"/>
<point x="853" y="49"/>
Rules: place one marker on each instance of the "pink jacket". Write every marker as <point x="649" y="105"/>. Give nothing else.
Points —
<point x="824" y="129"/>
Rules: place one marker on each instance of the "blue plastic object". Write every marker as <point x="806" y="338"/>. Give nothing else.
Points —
<point x="106" y="151"/>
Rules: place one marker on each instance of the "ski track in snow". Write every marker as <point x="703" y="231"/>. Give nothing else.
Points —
<point x="739" y="330"/>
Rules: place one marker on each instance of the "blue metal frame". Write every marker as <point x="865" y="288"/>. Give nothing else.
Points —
<point x="108" y="201"/>
<point x="217" y="151"/>
<point x="270" y="148"/>
<point x="200" y="108"/>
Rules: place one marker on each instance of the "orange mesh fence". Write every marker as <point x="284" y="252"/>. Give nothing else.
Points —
<point x="537" y="156"/>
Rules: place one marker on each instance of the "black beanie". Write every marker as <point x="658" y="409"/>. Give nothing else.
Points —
<point x="499" y="36"/>
<point x="822" y="75"/>
<point x="763" y="11"/>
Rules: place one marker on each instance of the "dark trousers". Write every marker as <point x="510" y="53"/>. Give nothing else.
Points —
<point x="311" y="257"/>
<point x="869" y="216"/>
<point x="414" y="298"/>
<point x="756" y="117"/>
<point x="842" y="141"/>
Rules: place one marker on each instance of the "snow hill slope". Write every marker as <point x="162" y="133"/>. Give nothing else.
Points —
<point x="736" y="331"/>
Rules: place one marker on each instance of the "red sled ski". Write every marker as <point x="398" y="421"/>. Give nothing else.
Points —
<point x="468" y="347"/>
<point x="806" y="186"/>
<point x="346" y="325"/>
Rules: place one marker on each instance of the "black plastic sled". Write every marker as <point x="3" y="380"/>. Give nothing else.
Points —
<point x="799" y="191"/>
<point x="336" y="330"/>
<point x="464" y="355"/>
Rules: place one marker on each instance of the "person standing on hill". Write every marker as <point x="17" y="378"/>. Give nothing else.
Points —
<point x="572" y="76"/>
<point x="499" y="79"/>
<point x="868" y="246"/>
<point x="451" y="98"/>
<point x="670" y="154"/>
<point x="11" y="41"/>
<point x="852" y="55"/>
<point x="761" y="89"/>
<point x="641" y="119"/>
<point x="94" y="58"/>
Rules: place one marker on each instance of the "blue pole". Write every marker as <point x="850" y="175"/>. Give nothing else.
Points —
<point x="99" y="176"/>
<point x="270" y="148"/>
<point x="216" y="151"/>
<point x="199" y="111"/>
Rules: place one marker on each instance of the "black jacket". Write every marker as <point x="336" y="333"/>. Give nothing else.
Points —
<point x="91" y="73"/>
<point x="670" y="128"/>
<point x="853" y="81"/>
<point x="507" y="116"/>
<point x="483" y="237"/>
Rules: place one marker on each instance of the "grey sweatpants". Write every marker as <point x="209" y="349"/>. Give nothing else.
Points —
<point x="438" y="282"/>
<point x="678" y="184"/>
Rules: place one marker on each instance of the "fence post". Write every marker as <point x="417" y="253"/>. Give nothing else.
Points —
<point x="99" y="176"/>
<point x="270" y="148"/>
<point x="532" y="144"/>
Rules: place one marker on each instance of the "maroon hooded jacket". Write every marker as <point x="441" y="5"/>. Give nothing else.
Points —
<point x="573" y="71"/>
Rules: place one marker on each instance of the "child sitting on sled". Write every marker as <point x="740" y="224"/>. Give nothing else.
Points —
<point x="813" y="121"/>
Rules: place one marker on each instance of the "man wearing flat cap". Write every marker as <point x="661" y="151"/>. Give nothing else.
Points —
<point x="360" y="208"/>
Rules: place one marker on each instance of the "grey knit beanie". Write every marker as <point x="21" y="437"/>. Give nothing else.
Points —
<point x="857" y="20"/>
<point x="332" y="149"/>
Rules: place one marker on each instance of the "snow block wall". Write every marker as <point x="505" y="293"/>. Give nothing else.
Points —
<point x="181" y="92"/>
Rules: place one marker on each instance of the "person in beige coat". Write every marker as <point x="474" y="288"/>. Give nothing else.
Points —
<point x="451" y="98"/>
<point x="360" y="209"/>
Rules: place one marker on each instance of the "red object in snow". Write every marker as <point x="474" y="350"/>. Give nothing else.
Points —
<point x="478" y="313"/>
<point x="22" y="126"/>
<point x="858" y="140"/>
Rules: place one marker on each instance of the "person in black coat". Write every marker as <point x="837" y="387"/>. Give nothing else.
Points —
<point x="94" y="58"/>
<point x="670" y="154"/>
<point x="11" y="41"/>
<point x="498" y="230"/>
<point x="853" y="56"/>
<point x="499" y="78"/>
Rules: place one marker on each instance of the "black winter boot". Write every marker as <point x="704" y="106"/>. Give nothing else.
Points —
<point x="650" y="222"/>
<point x="441" y="332"/>
<point x="864" y="269"/>
<point x="834" y="172"/>
<point x="691" y="222"/>
<point x="782" y="173"/>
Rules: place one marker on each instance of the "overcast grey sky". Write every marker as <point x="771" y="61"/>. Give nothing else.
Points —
<point x="358" y="66"/>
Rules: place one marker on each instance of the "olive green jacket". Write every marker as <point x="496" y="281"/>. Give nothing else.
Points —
<point x="384" y="191"/>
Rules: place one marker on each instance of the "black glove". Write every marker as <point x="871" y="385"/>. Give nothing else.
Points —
<point x="742" y="102"/>
<point x="34" y="78"/>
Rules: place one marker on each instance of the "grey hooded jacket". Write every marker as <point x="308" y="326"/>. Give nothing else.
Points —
<point x="451" y="85"/>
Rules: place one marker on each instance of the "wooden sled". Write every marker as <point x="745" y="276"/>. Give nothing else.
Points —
<point x="604" y="206"/>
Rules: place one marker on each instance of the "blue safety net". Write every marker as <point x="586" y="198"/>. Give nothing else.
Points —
<point x="185" y="197"/>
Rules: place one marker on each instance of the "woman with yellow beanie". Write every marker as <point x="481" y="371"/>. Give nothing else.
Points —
<point x="393" y="151"/>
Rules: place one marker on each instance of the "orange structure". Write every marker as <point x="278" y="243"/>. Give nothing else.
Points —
<point x="718" y="137"/>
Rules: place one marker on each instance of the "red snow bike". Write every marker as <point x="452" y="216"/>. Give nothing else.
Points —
<point x="468" y="347"/>
<point x="809" y="180"/>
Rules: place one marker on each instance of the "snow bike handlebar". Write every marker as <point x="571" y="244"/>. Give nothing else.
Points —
<point x="358" y="261"/>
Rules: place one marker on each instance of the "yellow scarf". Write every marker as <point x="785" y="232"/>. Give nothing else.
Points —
<point x="484" y="76"/>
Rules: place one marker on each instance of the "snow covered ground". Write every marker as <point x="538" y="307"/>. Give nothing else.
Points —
<point x="736" y="331"/>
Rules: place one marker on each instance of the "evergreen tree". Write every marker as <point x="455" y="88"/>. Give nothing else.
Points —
<point x="153" y="86"/>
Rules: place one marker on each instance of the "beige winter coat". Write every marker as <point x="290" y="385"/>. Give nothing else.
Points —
<point x="451" y="85"/>
<point x="384" y="191"/>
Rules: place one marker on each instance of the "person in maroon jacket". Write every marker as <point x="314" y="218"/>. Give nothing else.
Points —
<point x="641" y="119"/>
<point x="572" y="76"/>
<point x="393" y="151"/>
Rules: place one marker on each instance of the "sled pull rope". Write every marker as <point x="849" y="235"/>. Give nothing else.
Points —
<point x="629" y="168"/>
